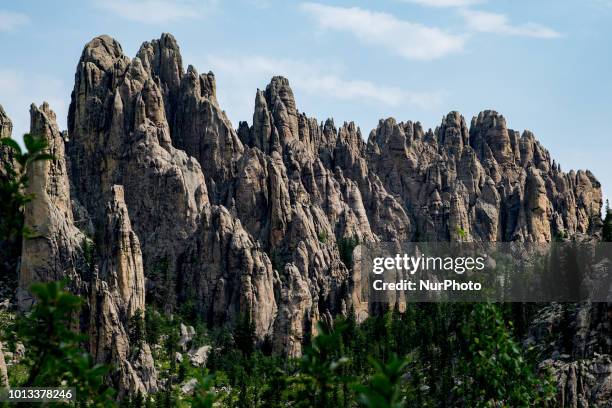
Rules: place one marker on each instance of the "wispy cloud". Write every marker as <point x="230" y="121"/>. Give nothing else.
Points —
<point x="445" y="3"/>
<point x="20" y="90"/>
<point x="405" y="38"/>
<point x="156" y="11"/>
<point x="11" y="21"/>
<point x="238" y="76"/>
<point x="494" y="23"/>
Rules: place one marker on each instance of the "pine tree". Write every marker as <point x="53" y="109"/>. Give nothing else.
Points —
<point x="384" y="388"/>
<point x="319" y="370"/>
<point x="136" y="329"/>
<point x="345" y="248"/>
<point x="244" y="334"/>
<point x="138" y="401"/>
<point x="493" y="370"/>
<point x="607" y="225"/>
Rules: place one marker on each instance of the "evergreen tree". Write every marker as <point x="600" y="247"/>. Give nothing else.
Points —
<point x="273" y="394"/>
<point x="384" y="388"/>
<point x="244" y="334"/>
<point x="345" y="248"/>
<point x="493" y="370"/>
<point x="138" y="401"/>
<point x="204" y="396"/>
<point x="137" y="329"/>
<point x="607" y="225"/>
<point x="153" y="325"/>
<point x="319" y="367"/>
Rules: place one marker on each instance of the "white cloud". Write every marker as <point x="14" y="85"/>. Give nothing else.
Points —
<point x="156" y="11"/>
<point x="494" y="23"/>
<point x="19" y="91"/>
<point x="407" y="39"/>
<point x="239" y="76"/>
<point x="445" y="3"/>
<point x="11" y="21"/>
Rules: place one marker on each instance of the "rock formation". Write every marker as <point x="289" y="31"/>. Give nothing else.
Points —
<point x="4" y="383"/>
<point x="117" y="297"/>
<point x="6" y="129"/>
<point x="227" y="217"/>
<point x="10" y="246"/>
<point x="55" y="249"/>
<point x="488" y="181"/>
<point x="576" y="340"/>
<point x="119" y="134"/>
<point x="6" y="126"/>
<point x="227" y="274"/>
<point x="256" y="221"/>
<point x="52" y="248"/>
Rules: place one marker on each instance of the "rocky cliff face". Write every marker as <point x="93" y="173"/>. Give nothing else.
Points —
<point x="54" y="249"/>
<point x="119" y="134"/>
<point x="116" y="297"/>
<point x="6" y="126"/>
<point x="108" y="273"/>
<point x="9" y="247"/>
<point x="4" y="383"/>
<point x="253" y="221"/>
<point x="576" y="339"/>
<point x="487" y="181"/>
<point x="6" y="129"/>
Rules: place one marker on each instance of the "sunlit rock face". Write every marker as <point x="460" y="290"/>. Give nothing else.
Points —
<point x="52" y="249"/>
<point x="116" y="296"/>
<point x="108" y="273"/>
<point x="250" y="221"/>
<point x="492" y="183"/>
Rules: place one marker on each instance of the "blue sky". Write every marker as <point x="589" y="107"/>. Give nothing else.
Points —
<point x="545" y="64"/>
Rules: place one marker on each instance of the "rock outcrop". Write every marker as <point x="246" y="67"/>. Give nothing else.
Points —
<point x="295" y="314"/>
<point x="6" y="126"/>
<point x="489" y="182"/>
<point x="575" y="344"/>
<point x="6" y="129"/>
<point x="52" y="249"/>
<point x="117" y="298"/>
<point x="257" y="221"/>
<point x="227" y="218"/>
<point x="4" y="383"/>
<point x="227" y="274"/>
<point x="110" y="276"/>
<point x="119" y="134"/>
<point x="10" y="246"/>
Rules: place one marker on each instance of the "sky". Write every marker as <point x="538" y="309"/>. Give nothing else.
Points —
<point x="546" y="65"/>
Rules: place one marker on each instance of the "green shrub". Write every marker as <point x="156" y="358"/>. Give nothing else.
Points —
<point x="494" y="370"/>
<point x="384" y="387"/>
<point x="322" y="237"/>
<point x="345" y="248"/>
<point x="54" y="356"/>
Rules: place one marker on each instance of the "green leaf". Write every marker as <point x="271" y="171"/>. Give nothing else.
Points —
<point x="12" y="144"/>
<point x="34" y="144"/>
<point x="43" y="156"/>
<point x="28" y="140"/>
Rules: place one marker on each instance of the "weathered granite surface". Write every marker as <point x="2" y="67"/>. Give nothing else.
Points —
<point x="250" y="221"/>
